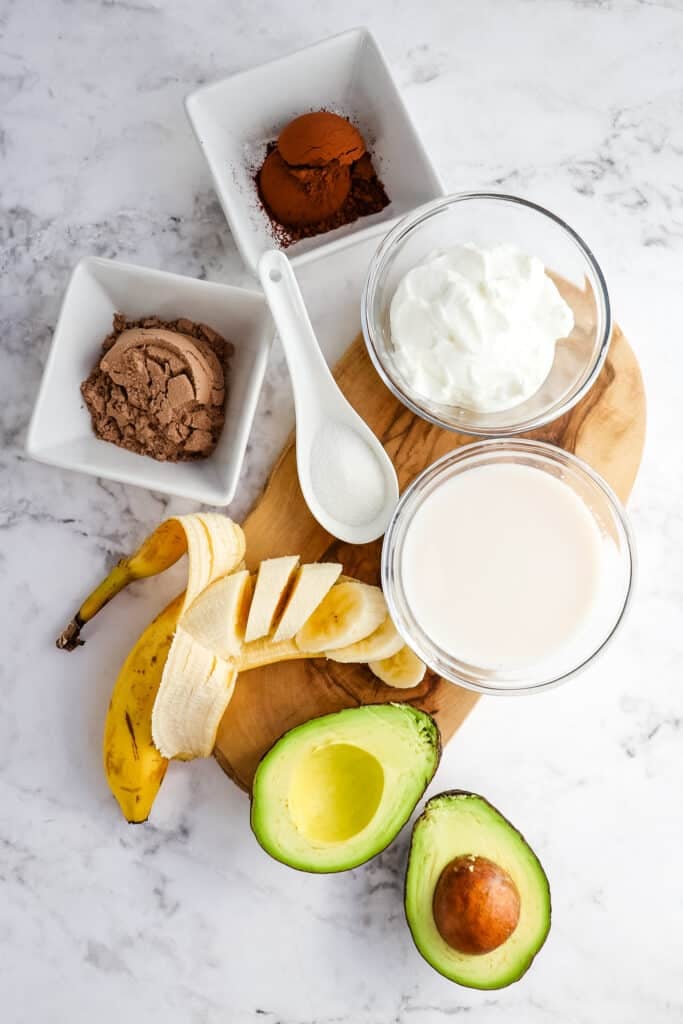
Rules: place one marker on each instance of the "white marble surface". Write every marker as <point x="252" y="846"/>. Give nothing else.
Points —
<point x="576" y="104"/>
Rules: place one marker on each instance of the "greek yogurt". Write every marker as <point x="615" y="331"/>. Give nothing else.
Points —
<point x="477" y="327"/>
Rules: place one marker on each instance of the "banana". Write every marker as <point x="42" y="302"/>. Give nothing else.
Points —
<point x="403" y="670"/>
<point x="270" y="595"/>
<point x="178" y="679"/>
<point x="311" y="584"/>
<point x="196" y="688"/>
<point x="349" y="612"/>
<point x="385" y="642"/>
<point x="214" y="544"/>
<point x="217" y="618"/>
<point x="133" y="766"/>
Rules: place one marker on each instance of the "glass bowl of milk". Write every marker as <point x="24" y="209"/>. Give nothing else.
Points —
<point x="486" y="314"/>
<point x="508" y="565"/>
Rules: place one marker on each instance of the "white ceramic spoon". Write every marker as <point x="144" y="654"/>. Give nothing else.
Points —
<point x="346" y="477"/>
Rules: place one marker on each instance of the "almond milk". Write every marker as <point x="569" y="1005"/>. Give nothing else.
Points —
<point x="501" y="566"/>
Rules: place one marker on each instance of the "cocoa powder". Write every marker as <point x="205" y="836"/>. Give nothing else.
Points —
<point x="335" y="186"/>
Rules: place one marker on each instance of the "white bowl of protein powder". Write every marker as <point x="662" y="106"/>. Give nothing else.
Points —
<point x="508" y="565"/>
<point x="486" y="314"/>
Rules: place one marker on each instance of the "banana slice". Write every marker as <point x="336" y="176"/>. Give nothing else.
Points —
<point x="385" y="642"/>
<point x="270" y="595"/>
<point x="349" y="612"/>
<point x="196" y="687"/>
<point x="217" y="618"/>
<point x="403" y="670"/>
<point x="311" y="584"/>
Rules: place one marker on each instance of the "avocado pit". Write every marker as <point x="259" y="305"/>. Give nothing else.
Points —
<point x="476" y="905"/>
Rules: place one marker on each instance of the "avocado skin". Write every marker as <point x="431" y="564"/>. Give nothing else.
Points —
<point x="436" y="741"/>
<point x="432" y="961"/>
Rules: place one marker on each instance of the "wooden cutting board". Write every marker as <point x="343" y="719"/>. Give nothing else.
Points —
<point x="606" y="428"/>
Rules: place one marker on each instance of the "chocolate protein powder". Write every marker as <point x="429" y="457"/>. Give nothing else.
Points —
<point x="159" y="388"/>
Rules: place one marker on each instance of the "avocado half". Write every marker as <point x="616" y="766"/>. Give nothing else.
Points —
<point x="335" y="791"/>
<point x="457" y="828"/>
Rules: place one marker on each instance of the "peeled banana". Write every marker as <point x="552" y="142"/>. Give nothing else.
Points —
<point x="209" y="650"/>
<point x="268" y="651"/>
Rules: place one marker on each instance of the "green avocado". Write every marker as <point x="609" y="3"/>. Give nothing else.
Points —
<point x="335" y="791"/>
<point x="473" y="878"/>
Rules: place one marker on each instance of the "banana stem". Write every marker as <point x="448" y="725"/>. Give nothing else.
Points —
<point x="70" y="638"/>
<point x="119" y="577"/>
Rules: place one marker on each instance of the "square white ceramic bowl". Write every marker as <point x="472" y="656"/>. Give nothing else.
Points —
<point x="61" y="432"/>
<point x="235" y="119"/>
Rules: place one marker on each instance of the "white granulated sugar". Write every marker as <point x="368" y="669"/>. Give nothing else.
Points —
<point x="347" y="478"/>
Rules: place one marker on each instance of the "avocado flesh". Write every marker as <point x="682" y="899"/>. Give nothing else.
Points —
<point x="335" y="791"/>
<point x="455" y="824"/>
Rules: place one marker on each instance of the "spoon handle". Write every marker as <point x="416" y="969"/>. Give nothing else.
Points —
<point x="309" y="373"/>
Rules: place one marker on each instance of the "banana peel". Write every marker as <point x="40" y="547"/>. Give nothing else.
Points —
<point x="133" y="766"/>
<point x="196" y="688"/>
<point x="215" y="546"/>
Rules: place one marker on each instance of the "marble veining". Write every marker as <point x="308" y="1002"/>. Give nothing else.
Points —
<point x="575" y="103"/>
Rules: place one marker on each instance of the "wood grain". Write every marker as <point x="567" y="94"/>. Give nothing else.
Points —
<point x="606" y="428"/>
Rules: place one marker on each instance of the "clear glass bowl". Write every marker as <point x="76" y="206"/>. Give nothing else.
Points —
<point x="487" y="219"/>
<point x="615" y="578"/>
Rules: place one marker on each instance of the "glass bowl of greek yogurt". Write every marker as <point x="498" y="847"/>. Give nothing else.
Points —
<point x="486" y="314"/>
<point x="508" y="565"/>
